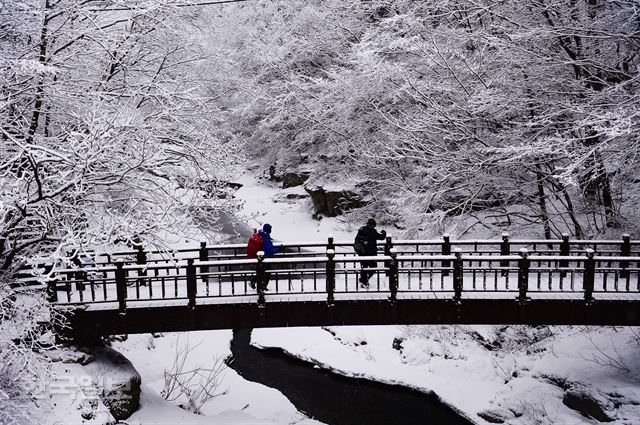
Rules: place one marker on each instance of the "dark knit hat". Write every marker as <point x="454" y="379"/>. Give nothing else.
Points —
<point x="371" y="222"/>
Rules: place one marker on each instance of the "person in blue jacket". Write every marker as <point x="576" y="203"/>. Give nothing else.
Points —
<point x="267" y="243"/>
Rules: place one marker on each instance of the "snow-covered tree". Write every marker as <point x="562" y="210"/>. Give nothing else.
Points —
<point x="109" y="133"/>
<point x="494" y="113"/>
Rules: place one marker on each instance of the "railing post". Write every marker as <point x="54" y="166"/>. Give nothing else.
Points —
<point x="457" y="275"/>
<point x="505" y="249"/>
<point x="446" y="250"/>
<point x="67" y="283"/>
<point x="331" y="244"/>
<point x="121" y="286"/>
<point x="565" y="247"/>
<point x="565" y="250"/>
<point x="192" y="283"/>
<point x="625" y="251"/>
<point x="393" y="275"/>
<point x="261" y="279"/>
<point x="388" y="246"/>
<point x="523" y="276"/>
<point x="52" y="290"/>
<point x="141" y="258"/>
<point x="80" y="278"/>
<point x="589" y="276"/>
<point x="78" y="275"/>
<point x="331" y="276"/>
<point x="203" y="255"/>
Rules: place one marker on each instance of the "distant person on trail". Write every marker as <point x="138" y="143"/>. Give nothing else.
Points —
<point x="365" y="244"/>
<point x="261" y="241"/>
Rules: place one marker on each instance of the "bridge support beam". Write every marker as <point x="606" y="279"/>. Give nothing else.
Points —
<point x="91" y="323"/>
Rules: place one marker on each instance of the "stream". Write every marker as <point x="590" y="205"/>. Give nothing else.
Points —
<point x="335" y="399"/>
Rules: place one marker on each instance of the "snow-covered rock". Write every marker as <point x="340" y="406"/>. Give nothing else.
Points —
<point x="332" y="203"/>
<point x="497" y="416"/>
<point x="589" y="402"/>
<point x="117" y="380"/>
<point x="294" y="179"/>
<point x="70" y="356"/>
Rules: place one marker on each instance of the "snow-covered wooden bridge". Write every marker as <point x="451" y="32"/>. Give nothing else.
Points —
<point x="316" y="283"/>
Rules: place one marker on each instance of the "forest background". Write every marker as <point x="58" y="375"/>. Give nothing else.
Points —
<point x="122" y="120"/>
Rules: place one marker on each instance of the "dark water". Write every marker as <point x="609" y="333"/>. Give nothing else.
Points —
<point x="335" y="399"/>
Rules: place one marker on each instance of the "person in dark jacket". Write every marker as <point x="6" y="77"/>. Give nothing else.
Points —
<point x="366" y="245"/>
<point x="268" y="249"/>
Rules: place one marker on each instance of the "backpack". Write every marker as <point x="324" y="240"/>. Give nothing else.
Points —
<point x="254" y="245"/>
<point x="360" y="244"/>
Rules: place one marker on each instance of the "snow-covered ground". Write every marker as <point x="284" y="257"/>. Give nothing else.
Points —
<point x="239" y="401"/>
<point x="517" y="372"/>
<point x="267" y="202"/>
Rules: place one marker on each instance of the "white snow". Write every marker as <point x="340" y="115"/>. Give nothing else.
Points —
<point x="291" y="219"/>
<point x="242" y="401"/>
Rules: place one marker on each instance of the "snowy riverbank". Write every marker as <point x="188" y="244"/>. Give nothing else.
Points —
<point x="522" y="378"/>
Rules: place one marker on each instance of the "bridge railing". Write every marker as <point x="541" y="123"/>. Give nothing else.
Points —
<point x="445" y="246"/>
<point x="458" y="275"/>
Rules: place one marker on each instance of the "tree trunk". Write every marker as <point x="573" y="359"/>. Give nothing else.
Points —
<point x="542" y="203"/>
<point x="601" y="179"/>
<point x="605" y="186"/>
<point x="37" y="105"/>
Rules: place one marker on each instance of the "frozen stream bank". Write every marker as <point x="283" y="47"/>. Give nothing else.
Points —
<point x="334" y="399"/>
